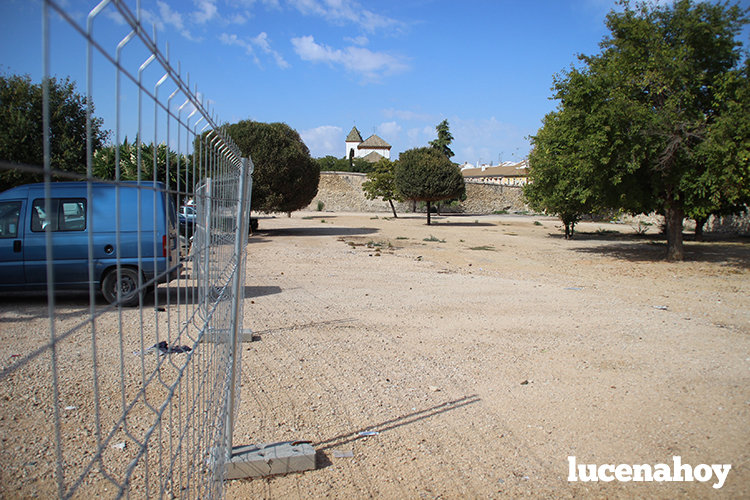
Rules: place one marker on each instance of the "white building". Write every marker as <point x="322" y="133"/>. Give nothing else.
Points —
<point x="372" y="149"/>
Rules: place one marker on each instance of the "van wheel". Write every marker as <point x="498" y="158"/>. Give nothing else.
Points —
<point x="128" y="285"/>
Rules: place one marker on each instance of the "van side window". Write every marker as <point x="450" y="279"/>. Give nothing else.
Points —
<point x="10" y="211"/>
<point x="65" y="215"/>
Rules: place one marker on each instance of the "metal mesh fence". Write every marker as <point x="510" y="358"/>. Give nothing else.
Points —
<point x="120" y="379"/>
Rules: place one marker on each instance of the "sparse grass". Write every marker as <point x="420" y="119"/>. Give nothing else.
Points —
<point x="374" y="218"/>
<point x="642" y="227"/>
<point x="537" y="223"/>
<point x="489" y="248"/>
<point x="432" y="238"/>
<point x="500" y="212"/>
<point x="320" y="205"/>
<point x="401" y="238"/>
<point x="323" y="221"/>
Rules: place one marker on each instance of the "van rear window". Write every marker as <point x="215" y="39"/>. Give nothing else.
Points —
<point x="66" y="214"/>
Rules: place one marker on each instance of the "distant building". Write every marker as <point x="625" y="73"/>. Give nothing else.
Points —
<point x="372" y="149"/>
<point x="507" y="174"/>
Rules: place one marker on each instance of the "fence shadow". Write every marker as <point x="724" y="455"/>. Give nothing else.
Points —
<point x="32" y="304"/>
<point x="395" y="423"/>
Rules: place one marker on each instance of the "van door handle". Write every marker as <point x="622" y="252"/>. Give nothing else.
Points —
<point x="17" y="246"/>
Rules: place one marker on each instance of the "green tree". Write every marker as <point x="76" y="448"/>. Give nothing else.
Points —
<point x="21" y="128"/>
<point x="722" y="187"/>
<point x="380" y="183"/>
<point x="285" y="177"/>
<point x="444" y="139"/>
<point x="557" y="182"/>
<point x="646" y="103"/>
<point x="177" y="166"/>
<point x="426" y="174"/>
<point x="332" y="164"/>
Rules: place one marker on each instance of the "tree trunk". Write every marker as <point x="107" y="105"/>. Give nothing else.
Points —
<point x="394" y="209"/>
<point x="437" y="208"/>
<point x="428" y="213"/>
<point x="699" y="223"/>
<point x="673" y="216"/>
<point x="568" y="234"/>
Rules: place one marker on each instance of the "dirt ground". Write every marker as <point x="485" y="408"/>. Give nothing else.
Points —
<point x="479" y="353"/>
<point x="486" y="350"/>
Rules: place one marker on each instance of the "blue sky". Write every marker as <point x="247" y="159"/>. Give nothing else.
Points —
<point x="394" y="68"/>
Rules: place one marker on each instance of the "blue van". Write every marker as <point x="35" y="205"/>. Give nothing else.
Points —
<point x="72" y="216"/>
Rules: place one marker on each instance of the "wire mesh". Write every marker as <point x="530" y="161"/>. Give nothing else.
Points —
<point x="118" y="381"/>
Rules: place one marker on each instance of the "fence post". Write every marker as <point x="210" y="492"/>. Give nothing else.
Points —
<point x="265" y="459"/>
<point x="206" y="246"/>
<point x="237" y="296"/>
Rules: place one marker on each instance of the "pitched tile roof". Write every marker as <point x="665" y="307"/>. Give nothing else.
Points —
<point x="373" y="157"/>
<point x="354" y="136"/>
<point x="374" y="142"/>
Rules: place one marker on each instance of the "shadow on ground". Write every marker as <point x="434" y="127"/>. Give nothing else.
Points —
<point x="735" y="254"/>
<point x="323" y="230"/>
<point x="395" y="423"/>
<point x="33" y="304"/>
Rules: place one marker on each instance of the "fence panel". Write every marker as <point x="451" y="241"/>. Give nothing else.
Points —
<point x="100" y="398"/>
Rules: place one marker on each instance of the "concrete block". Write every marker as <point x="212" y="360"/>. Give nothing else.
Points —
<point x="216" y="336"/>
<point x="269" y="460"/>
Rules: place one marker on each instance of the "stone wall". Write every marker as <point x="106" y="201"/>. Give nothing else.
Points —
<point x="342" y="192"/>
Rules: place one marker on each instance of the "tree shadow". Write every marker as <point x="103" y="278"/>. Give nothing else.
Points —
<point x="317" y="231"/>
<point x="735" y="254"/>
<point x="462" y="224"/>
<point x="606" y="235"/>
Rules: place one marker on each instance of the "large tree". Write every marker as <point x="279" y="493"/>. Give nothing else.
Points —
<point x="645" y="105"/>
<point x="380" y="183"/>
<point x="21" y="128"/>
<point x="286" y="177"/>
<point x="426" y="174"/>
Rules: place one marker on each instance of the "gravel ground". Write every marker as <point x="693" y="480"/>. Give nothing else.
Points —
<point x="486" y="350"/>
<point x="482" y="351"/>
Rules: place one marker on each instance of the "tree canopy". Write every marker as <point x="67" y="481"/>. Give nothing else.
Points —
<point x="181" y="176"/>
<point x="444" y="139"/>
<point x="426" y="174"/>
<point x="332" y="164"/>
<point x="21" y="128"/>
<point x="644" y="124"/>
<point x="285" y="177"/>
